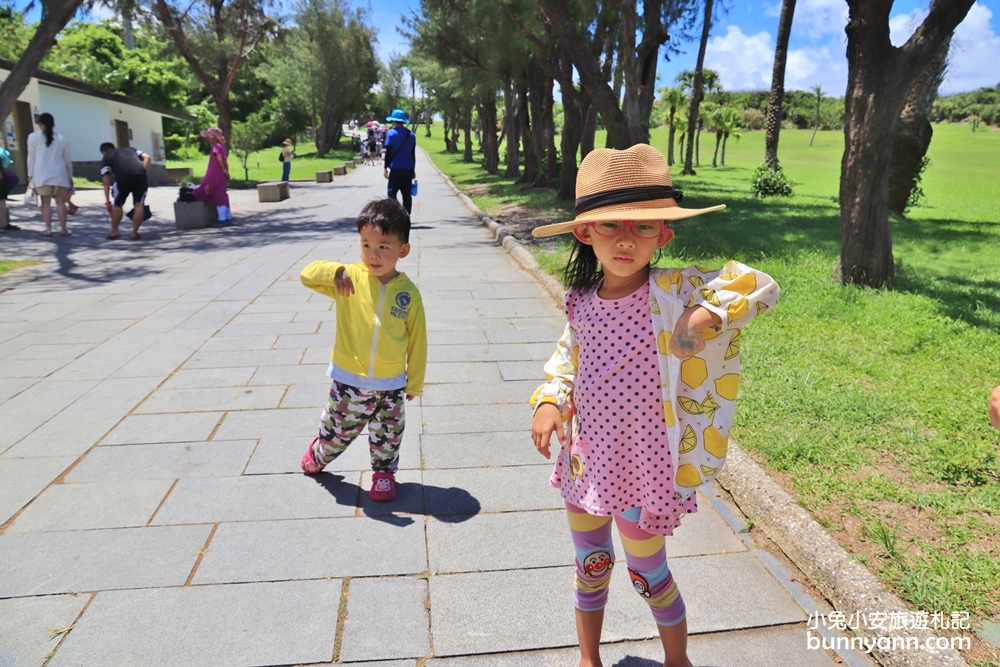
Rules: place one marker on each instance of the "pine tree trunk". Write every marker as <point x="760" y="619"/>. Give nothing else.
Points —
<point x="488" y="117"/>
<point x="513" y="161"/>
<point x="535" y="92"/>
<point x="551" y="172"/>
<point x="589" y="130"/>
<point x="467" y="155"/>
<point x="777" y="86"/>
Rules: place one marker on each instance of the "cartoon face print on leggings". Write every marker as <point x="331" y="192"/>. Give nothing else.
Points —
<point x="597" y="564"/>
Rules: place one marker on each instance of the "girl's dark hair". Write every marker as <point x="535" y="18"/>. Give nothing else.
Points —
<point x="582" y="270"/>
<point x="389" y="216"/>
<point x="48" y="122"/>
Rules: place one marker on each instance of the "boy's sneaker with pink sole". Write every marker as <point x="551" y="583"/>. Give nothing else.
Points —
<point x="383" y="487"/>
<point x="309" y="465"/>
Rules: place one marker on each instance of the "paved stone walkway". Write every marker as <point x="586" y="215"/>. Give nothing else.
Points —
<point x="155" y="399"/>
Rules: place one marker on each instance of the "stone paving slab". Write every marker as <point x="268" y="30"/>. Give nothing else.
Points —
<point x="494" y="489"/>
<point x="32" y="407"/>
<point x="479" y="393"/>
<point x="386" y="619"/>
<point x="250" y="498"/>
<point x="114" y="504"/>
<point x="479" y="450"/>
<point x="26" y="625"/>
<point x="207" y="378"/>
<point x="98" y="560"/>
<point x="477" y="418"/>
<point x="183" y="627"/>
<point x="462" y="372"/>
<point x="312" y="549"/>
<point x="218" y="399"/>
<point x="268" y="424"/>
<point x="219" y="458"/>
<point x="23" y="479"/>
<point x="184" y="427"/>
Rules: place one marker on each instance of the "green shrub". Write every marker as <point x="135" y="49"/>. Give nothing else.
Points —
<point x="767" y="182"/>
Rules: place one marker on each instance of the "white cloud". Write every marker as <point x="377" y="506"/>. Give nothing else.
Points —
<point x="975" y="52"/>
<point x="744" y="62"/>
<point x="821" y="66"/>
<point x="820" y="18"/>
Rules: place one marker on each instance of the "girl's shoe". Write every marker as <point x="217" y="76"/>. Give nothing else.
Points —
<point x="383" y="487"/>
<point x="309" y="465"/>
<point x="72" y="209"/>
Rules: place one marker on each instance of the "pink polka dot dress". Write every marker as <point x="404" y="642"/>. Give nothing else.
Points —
<point x="620" y="457"/>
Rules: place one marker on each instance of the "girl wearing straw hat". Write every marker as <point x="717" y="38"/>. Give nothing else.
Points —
<point x="214" y="187"/>
<point x="646" y="374"/>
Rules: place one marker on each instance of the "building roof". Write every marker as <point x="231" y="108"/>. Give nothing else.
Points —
<point x="66" y="83"/>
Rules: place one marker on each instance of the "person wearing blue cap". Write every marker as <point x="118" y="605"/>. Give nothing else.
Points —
<point x="400" y="157"/>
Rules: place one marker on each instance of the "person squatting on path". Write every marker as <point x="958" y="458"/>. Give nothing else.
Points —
<point x="50" y="171"/>
<point x="646" y="374"/>
<point x="400" y="158"/>
<point x="129" y="167"/>
<point x="380" y="353"/>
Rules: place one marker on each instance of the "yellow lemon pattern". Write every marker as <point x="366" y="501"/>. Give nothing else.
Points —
<point x="694" y="371"/>
<point x="728" y="386"/>
<point x="670" y="281"/>
<point x="738" y="309"/>
<point x="693" y="407"/>
<point x="715" y="443"/>
<point x="734" y="346"/>
<point x="696" y="281"/>
<point x="744" y="285"/>
<point x="709" y="471"/>
<point x="668" y="414"/>
<point x="689" y="440"/>
<point x="710" y="296"/>
<point x="654" y="305"/>
<point x="761" y="307"/>
<point x="687" y="475"/>
<point x="663" y="342"/>
<point x="712" y="332"/>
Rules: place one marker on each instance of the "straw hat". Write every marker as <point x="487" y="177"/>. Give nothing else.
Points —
<point x="286" y="142"/>
<point x="213" y="133"/>
<point x="633" y="184"/>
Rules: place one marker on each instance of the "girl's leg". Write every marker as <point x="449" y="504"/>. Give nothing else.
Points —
<point x="344" y="417"/>
<point x="647" y="567"/>
<point x="385" y="430"/>
<point x="47" y="213"/>
<point x="595" y="557"/>
<point x="61" y="211"/>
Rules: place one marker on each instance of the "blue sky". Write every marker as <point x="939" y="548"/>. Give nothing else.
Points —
<point x="741" y="44"/>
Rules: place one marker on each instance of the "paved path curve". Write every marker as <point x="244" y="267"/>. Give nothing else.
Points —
<point x="155" y="399"/>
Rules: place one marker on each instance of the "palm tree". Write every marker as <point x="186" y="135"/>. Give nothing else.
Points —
<point x="673" y="97"/>
<point x="818" y="90"/>
<point x="729" y="118"/>
<point x="777" y="85"/>
<point x="713" y="122"/>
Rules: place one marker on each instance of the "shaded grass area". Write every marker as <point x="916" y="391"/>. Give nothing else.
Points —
<point x="868" y="405"/>
<point x="11" y="264"/>
<point x="264" y="165"/>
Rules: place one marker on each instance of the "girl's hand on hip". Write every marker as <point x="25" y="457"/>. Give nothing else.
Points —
<point x="547" y="420"/>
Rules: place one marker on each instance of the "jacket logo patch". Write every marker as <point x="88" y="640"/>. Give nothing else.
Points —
<point x="402" y="301"/>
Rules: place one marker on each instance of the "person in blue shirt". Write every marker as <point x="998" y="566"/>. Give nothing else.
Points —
<point x="400" y="157"/>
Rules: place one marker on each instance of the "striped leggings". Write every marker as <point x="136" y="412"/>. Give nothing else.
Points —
<point x="645" y="553"/>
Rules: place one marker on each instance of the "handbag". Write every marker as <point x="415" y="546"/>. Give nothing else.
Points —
<point x="146" y="213"/>
<point x="30" y="196"/>
<point x="281" y="156"/>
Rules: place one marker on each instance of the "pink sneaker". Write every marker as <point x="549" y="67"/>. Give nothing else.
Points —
<point x="309" y="465"/>
<point x="383" y="487"/>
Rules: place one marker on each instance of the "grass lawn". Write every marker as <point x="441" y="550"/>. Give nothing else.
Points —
<point x="868" y="405"/>
<point x="11" y="264"/>
<point x="264" y="165"/>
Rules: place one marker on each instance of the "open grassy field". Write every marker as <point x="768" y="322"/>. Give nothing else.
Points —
<point x="869" y="406"/>
<point x="264" y="165"/>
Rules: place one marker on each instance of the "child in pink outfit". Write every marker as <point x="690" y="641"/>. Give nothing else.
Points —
<point x="646" y="375"/>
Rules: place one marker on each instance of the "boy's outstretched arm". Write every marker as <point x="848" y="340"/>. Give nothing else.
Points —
<point x="995" y="408"/>
<point x="329" y="278"/>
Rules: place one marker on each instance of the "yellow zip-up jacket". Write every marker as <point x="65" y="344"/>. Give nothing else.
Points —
<point x="381" y="331"/>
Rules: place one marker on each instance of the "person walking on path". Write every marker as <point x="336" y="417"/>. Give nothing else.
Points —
<point x="130" y="168"/>
<point x="380" y="352"/>
<point x="287" y="153"/>
<point x="400" y="158"/>
<point x="7" y="181"/>
<point x="50" y="171"/>
<point x="664" y="343"/>
<point x="214" y="187"/>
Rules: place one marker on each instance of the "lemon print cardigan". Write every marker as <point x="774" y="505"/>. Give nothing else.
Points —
<point x="699" y="393"/>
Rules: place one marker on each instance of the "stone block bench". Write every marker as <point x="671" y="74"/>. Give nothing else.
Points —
<point x="340" y="170"/>
<point x="194" y="215"/>
<point x="350" y="166"/>
<point x="359" y="160"/>
<point x="272" y="191"/>
<point x="324" y="176"/>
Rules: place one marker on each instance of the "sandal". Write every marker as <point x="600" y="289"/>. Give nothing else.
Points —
<point x="309" y="465"/>
<point x="66" y="233"/>
<point x="47" y="235"/>
<point x="383" y="487"/>
<point x="113" y="237"/>
<point x="137" y="237"/>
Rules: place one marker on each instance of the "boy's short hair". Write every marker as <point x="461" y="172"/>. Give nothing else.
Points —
<point x="388" y="215"/>
<point x="107" y="146"/>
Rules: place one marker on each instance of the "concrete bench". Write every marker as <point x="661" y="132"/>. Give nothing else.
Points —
<point x="359" y="160"/>
<point x="272" y="191"/>
<point x="194" y="215"/>
<point x="340" y="170"/>
<point x="349" y="166"/>
<point x="324" y="176"/>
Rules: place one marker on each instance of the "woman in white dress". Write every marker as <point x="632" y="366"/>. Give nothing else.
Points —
<point x="50" y="171"/>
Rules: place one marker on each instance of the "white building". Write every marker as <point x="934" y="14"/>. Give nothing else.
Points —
<point x="87" y="117"/>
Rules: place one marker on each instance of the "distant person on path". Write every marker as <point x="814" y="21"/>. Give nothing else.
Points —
<point x="129" y="167"/>
<point x="400" y="158"/>
<point x="380" y="352"/>
<point x="50" y="171"/>
<point x="7" y="180"/>
<point x="664" y="344"/>
<point x="995" y="408"/>
<point x="214" y="187"/>
<point x="287" y="153"/>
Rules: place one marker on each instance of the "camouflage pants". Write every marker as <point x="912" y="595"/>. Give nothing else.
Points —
<point x="345" y="416"/>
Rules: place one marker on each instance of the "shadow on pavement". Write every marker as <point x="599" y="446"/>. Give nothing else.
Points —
<point x="451" y="505"/>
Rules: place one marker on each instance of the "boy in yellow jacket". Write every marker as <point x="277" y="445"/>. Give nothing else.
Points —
<point x="380" y="353"/>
